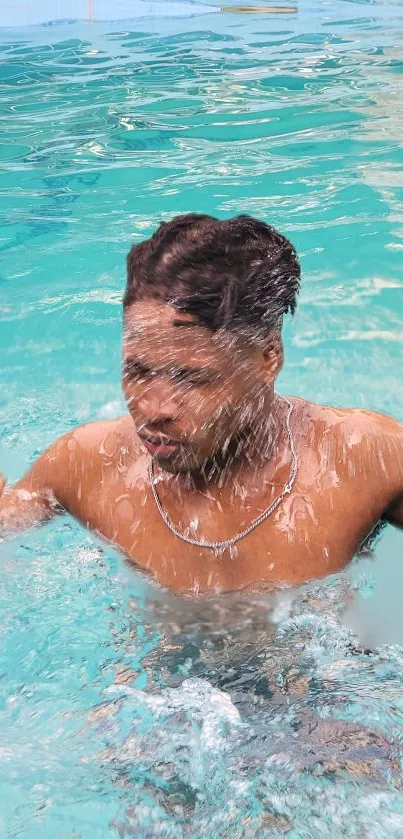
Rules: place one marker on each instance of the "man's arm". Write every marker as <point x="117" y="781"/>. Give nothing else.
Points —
<point x="372" y="446"/>
<point x="394" y="513"/>
<point x="391" y="463"/>
<point x="31" y="500"/>
<point x="68" y="470"/>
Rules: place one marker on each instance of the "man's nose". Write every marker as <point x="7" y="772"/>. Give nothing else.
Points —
<point x="158" y="403"/>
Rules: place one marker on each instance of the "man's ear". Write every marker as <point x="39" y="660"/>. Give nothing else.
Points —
<point x="273" y="355"/>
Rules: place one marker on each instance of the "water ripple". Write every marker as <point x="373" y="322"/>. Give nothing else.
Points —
<point x="126" y="713"/>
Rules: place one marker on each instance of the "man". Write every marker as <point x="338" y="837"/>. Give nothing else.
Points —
<point x="212" y="481"/>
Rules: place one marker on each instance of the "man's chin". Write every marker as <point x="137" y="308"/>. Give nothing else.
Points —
<point x="172" y="461"/>
<point x="179" y="465"/>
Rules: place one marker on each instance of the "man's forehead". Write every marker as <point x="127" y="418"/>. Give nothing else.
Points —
<point x="161" y="326"/>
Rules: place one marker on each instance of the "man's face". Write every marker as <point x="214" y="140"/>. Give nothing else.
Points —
<point x="190" y="392"/>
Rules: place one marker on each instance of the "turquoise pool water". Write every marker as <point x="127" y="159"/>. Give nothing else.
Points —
<point x="125" y="711"/>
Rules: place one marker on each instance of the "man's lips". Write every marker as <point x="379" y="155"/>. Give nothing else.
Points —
<point x="162" y="446"/>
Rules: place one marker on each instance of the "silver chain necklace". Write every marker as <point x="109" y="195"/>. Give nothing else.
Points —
<point x="228" y="543"/>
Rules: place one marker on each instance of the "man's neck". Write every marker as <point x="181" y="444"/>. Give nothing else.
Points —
<point x="244" y="457"/>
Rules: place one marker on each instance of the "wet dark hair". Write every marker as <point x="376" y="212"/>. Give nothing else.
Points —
<point x="238" y="273"/>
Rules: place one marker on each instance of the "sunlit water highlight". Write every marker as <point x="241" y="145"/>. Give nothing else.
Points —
<point x="125" y="711"/>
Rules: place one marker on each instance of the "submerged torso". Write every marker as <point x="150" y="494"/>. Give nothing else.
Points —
<point x="336" y="500"/>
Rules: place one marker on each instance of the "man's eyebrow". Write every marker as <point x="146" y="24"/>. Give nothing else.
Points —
<point x="179" y="322"/>
<point x="206" y="373"/>
<point x="135" y="362"/>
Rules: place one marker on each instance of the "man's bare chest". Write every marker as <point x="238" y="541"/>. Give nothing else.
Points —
<point x="310" y="534"/>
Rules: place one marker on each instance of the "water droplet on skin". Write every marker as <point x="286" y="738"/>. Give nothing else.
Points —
<point x="233" y="551"/>
<point x="125" y="508"/>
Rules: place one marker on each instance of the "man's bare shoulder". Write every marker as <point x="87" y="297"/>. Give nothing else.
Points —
<point x="73" y="464"/>
<point x="80" y="457"/>
<point x="346" y="421"/>
<point x="362" y="445"/>
<point x="353" y="433"/>
<point x="96" y="439"/>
